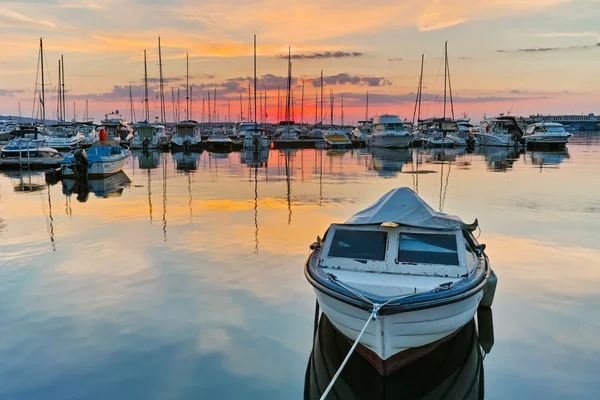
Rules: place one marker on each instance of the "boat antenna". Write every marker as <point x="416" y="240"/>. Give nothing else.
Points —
<point x="255" y="114"/>
<point x="449" y="83"/>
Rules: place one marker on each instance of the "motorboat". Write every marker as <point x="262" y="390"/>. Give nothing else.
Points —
<point x="255" y="138"/>
<point x="315" y="133"/>
<point x="242" y="128"/>
<point x="463" y="136"/>
<point x="399" y="275"/>
<point x="546" y="134"/>
<point x="28" y="143"/>
<point x="149" y="136"/>
<point x="102" y="159"/>
<point x="65" y="137"/>
<point x="89" y="133"/>
<point x="287" y="131"/>
<point x="336" y="138"/>
<point x="502" y="131"/>
<point x="186" y="135"/>
<point x="117" y="128"/>
<point x="389" y="131"/>
<point x="435" y="132"/>
<point x="6" y="127"/>
<point x="219" y="141"/>
<point x="362" y="130"/>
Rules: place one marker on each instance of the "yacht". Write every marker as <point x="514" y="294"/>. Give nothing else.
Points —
<point x="286" y="132"/>
<point x="64" y="137"/>
<point x="28" y="143"/>
<point x="6" y="127"/>
<point x="89" y="133"/>
<point x="117" y="128"/>
<point x="362" y="130"/>
<point x="254" y="137"/>
<point x="187" y="134"/>
<point x="502" y="131"/>
<point x="399" y="276"/>
<point x="219" y="140"/>
<point x="389" y="131"/>
<point x="241" y="128"/>
<point x="463" y="136"/>
<point x="546" y="134"/>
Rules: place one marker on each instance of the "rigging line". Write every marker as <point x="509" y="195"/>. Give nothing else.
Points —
<point x="446" y="186"/>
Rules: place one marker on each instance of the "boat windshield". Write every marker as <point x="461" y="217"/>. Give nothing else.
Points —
<point x="363" y="245"/>
<point x="398" y="127"/>
<point x="428" y="249"/>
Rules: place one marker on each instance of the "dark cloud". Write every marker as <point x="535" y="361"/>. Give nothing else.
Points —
<point x="550" y="49"/>
<point x="344" y="78"/>
<point x="517" y="91"/>
<point x="321" y="56"/>
<point x="9" y="92"/>
<point x="395" y="59"/>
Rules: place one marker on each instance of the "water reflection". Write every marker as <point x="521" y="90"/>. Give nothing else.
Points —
<point x="186" y="161"/>
<point x="548" y="159"/>
<point x="388" y="162"/>
<point x="499" y="159"/>
<point x="453" y="370"/>
<point x="111" y="186"/>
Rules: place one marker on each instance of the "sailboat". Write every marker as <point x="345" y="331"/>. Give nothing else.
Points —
<point x="287" y="131"/>
<point x="187" y="133"/>
<point x="255" y="138"/>
<point x="336" y="138"/>
<point x="148" y="136"/>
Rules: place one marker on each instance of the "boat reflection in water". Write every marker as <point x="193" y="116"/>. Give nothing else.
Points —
<point x="186" y="161"/>
<point x="388" y="162"/>
<point x="453" y="370"/>
<point x="111" y="186"/>
<point x="499" y="159"/>
<point x="545" y="159"/>
<point x="255" y="157"/>
<point x="147" y="159"/>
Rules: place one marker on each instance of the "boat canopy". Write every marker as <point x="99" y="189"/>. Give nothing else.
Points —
<point x="404" y="207"/>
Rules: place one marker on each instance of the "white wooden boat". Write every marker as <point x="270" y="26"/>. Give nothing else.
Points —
<point x="102" y="159"/>
<point x="421" y="272"/>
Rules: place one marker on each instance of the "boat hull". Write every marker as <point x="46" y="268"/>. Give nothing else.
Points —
<point x="498" y="140"/>
<point x="547" y="140"/>
<point x="110" y="166"/>
<point x="187" y="141"/>
<point x="389" y="141"/>
<point x="391" y="334"/>
<point x="251" y="142"/>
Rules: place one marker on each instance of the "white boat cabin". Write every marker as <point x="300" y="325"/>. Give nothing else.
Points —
<point x="545" y="127"/>
<point x="397" y="259"/>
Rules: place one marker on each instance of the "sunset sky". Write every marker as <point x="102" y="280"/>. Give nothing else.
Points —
<point x="522" y="57"/>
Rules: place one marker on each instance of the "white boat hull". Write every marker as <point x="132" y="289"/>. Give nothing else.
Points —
<point x="495" y="139"/>
<point x="547" y="139"/>
<point x="178" y="141"/>
<point x="256" y="141"/>
<point x="389" y="141"/>
<point x="392" y="334"/>
<point x="105" y="168"/>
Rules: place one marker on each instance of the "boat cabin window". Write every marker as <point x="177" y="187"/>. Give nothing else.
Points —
<point x="362" y="245"/>
<point x="428" y="249"/>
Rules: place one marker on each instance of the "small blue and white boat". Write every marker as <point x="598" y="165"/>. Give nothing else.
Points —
<point x="420" y="273"/>
<point x="102" y="159"/>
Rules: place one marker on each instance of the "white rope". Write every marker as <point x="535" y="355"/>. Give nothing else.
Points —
<point x="373" y="316"/>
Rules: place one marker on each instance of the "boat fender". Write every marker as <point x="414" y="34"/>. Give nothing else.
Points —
<point x="102" y="135"/>
<point x="485" y="325"/>
<point x="490" y="291"/>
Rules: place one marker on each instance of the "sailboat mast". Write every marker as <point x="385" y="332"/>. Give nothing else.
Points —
<point x="302" y="107"/>
<point x="342" y="109"/>
<point x="131" y="105"/>
<point x="289" y="86"/>
<point x="278" y="105"/>
<point x="367" y="109"/>
<point x="449" y="83"/>
<point x="266" y="112"/>
<point x="62" y="81"/>
<point x="255" y="114"/>
<point x="192" y="102"/>
<point x="43" y="84"/>
<point x="331" y="107"/>
<point x="58" y="99"/>
<point x="419" y="90"/>
<point x="249" y="105"/>
<point x="162" y="87"/>
<point x="321" y="97"/>
<point x="445" y="74"/>
<point x="187" y="87"/>
<point x="316" y="105"/>
<point x="146" y="105"/>
<point x="241" y="109"/>
<point x="215" y="111"/>
<point x="209" y="109"/>
<point x="229" y="110"/>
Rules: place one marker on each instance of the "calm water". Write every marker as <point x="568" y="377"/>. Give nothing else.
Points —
<point x="183" y="277"/>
